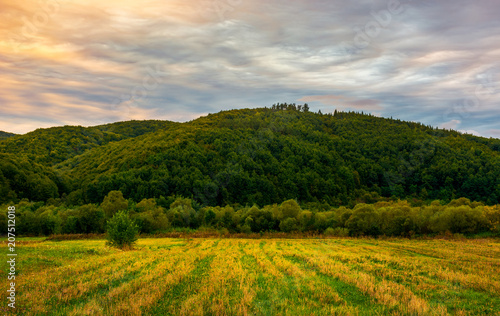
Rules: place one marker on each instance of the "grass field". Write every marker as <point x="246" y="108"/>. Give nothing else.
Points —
<point x="257" y="277"/>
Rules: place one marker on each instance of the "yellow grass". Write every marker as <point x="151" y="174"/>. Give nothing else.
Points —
<point x="258" y="277"/>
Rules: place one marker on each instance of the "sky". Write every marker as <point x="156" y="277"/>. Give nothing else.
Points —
<point x="93" y="62"/>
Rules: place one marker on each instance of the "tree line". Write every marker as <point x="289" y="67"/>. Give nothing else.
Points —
<point x="258" y="156"/>
<point x="390" y="218"/>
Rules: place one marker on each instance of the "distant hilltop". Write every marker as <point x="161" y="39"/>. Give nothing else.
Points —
<point x="4" y="135"/>
<point x="252" y="156"/>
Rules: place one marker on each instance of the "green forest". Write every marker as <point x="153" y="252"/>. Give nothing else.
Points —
<point x="4" y="135"/>
<point x="282" y="168"/>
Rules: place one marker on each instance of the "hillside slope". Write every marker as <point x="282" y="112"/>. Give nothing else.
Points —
<point x="53" y="145"/>
<point x="5" y="135"/>
<point x="26" y="160"/>
<point x="22" y="178"/>
<point x="266" y="156"/>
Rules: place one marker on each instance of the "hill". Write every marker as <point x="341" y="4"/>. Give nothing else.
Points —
<point x="5" y="135"/>
<point x="22" y="178"/>
<point x="53" y="145"/>
<point x="266" y="156"/>
<point x="26" y="160"/>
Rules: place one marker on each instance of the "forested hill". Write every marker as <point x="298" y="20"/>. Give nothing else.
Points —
<point x="4" y="135"/>
<point x="260" y="156"/>
<point x="54" y="145"/>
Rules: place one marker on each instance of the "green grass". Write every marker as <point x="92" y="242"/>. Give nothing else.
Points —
<point x="258" y="277"/>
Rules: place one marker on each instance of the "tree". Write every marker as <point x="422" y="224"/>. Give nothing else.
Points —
<point x="288" y="225"/>
<point x="91" y="219"/>
<point x="182" y="213"/>
<point x="364" y="221"/>
<point x="114" y="202"/>
<point x="49" y="222"/>
<point x="289" y="208"/>
<point x="150" y="217"/>
<point x="209" y="217"/>
<point x="121" y="231"/>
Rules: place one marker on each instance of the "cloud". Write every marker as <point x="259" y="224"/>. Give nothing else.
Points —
<point x="471" y="132"/>
<point x="68" y="62"/>
<point x="494" y="133"/>
<point x="453" y="124"/>
<point x="343" y="102"/>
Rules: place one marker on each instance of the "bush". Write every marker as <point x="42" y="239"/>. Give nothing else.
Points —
<point x="364" y="221"/>
<point x="461" y="219"/>
<point x="337" y="232"/>
<point x="289" y="209"/>
<point x="289" y="225"/>
<point x="114" y="202"/>
<point x="245" y="229"/>
<point x="121" y="231"/>
<point x="91" y="219"/>
<point x="150" y="217"/>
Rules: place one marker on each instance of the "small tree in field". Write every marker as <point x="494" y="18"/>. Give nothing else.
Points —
<point x="121" y="231"/>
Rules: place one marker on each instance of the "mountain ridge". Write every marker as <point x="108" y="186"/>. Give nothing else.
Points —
<point x="5" y="135"/>
<point x="264" y="156"/>
<point x="68" y="141"/>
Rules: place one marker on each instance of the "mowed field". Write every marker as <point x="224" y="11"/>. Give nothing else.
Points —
<point x="257" y="277"/>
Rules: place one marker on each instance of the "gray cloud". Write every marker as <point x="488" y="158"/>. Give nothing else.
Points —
<point x="425" y="63"/>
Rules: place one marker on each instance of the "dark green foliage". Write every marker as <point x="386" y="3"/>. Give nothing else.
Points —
<point x="150" y="217"/>
<point x="21" y="178"/>
<point x="27" y="223"/>
<point x="208" y="172"/>
<point x="397" y="222"/>
<point x="364" y="220"/>
<point x="459" y="219"/>
<point x="382" y="218"/>
<point x="50" y="223"/>
<point x="53" y="145"/>
<point x="91" y="219"/>
<point x="5" y="135"/>
<point x="209" y="217"/>
<point x="114" y="202"/>
<point x="289" y="209"/>
<point x="261" y="220"/>
<point x="71" y="225"/>
<point x="182" y="213"/>
<point x="121" y="231"/>
<point x="289" y="225"/>
<point x="266" y="156"/>
<point x="25" y="169"/>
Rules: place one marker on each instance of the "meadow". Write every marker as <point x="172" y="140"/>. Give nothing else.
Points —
<point x="212" y="276"/>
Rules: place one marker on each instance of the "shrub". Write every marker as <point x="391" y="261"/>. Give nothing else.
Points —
<point x="70" y="225"/>
<point x="337" y="232"/>
<point x="150" y="217"/>
<point x="114" y="202"/>
<point x="260" y="220"/>
<point x="50" y="223"/>
<point x="245" y="229"/>
<point x="364" y="221"/>
<point x="289" y="225"/>
<point x="121" y="231"/>
<point x="91" y="219"/>
<point x="462" y="219"/>
<point x="289" y="209"/>
<point x="492" y="213"/>
<point x="182" y="213"/>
